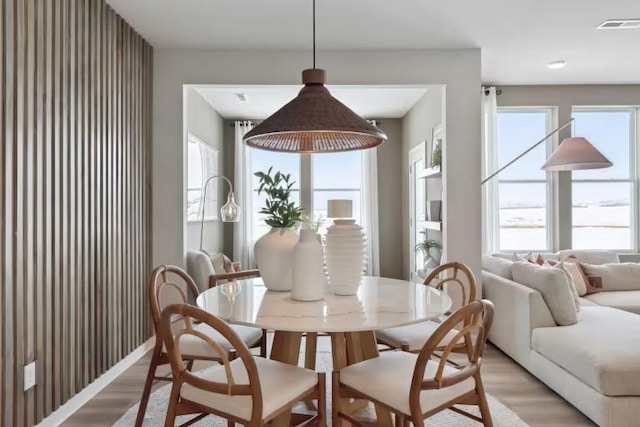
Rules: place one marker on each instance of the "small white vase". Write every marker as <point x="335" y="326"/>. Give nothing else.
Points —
<point x="309" y="279"/>
<point x="273" y="253"/>
<point x="345" y="256"/>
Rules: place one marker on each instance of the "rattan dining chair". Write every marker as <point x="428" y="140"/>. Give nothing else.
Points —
<point x="417" y="386"/>
<point x="248" y="390"/>
<point x="412" y="337"/>
<point x="168" y="283"/>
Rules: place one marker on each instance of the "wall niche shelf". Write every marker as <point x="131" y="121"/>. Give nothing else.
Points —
<point x="431" y="225"/>
<point x="431" y="173"/>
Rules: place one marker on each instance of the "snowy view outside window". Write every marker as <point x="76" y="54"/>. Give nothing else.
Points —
<point x="523" y="189"/>
<point x="602" y="198"/>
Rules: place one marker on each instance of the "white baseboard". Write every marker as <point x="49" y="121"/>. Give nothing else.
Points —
<point x="76" y="402"/>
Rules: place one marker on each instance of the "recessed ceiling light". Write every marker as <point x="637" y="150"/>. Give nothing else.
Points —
<point x="556" y="65"/>
<point x="620" y="24"/>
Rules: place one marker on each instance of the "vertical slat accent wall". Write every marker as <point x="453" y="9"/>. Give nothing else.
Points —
<point x="75" y="123"/>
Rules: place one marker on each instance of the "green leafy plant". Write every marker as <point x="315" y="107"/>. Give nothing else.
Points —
<point x="426" y="245"/>
<point x="436" y="157"/>
<point x="281" y="213"/>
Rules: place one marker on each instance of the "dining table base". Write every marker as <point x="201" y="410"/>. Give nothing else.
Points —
<point x="347" y="348"/>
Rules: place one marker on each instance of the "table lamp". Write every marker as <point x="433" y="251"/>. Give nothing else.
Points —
<point x="345" y="249"/>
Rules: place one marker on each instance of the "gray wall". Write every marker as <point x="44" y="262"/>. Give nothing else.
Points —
<point x="417" y="126"/>
<point x="458" y="69"/>
<point x="563" y="98"/>
<point x="204" y="122"/>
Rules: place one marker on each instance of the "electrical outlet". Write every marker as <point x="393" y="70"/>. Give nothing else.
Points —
<point x="29" y="375"/>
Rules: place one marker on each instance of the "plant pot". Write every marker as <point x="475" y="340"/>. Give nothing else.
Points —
<point x="309" y="280"/>
<point x="274" y="252"/>
<point x="430" y="263"/>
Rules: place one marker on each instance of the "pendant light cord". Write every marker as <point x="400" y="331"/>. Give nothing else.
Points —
<point x="314" y="33"/>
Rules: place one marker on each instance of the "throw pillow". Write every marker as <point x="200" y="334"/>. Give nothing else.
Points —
<point x="579" y="277"/>
<point x="498" y="266"/>
<point x="221" y="264"/>
<point x="554" y="287"/>
<point x="617" y="276"/>
<point x="572" y="287"/>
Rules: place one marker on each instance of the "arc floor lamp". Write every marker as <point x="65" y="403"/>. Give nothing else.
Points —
<point x="573" y="153"/>
<point x="229" y="212"/>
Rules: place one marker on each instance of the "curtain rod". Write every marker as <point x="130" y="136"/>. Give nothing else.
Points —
<point x="245" y="122"/>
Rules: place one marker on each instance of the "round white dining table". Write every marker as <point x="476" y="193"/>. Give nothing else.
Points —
<point x="349" y="320"/>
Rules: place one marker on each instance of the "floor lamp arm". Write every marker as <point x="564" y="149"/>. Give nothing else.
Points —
<point x="204" y="199"/>
<point x="526" y="151"/>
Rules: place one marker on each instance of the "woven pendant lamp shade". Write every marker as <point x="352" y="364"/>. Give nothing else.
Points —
<point x="314" y="122"/>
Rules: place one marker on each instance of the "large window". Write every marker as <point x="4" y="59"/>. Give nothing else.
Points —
<point x="329" y="176"/>
<point x="202" y="162"/>
<point x="522" y="204"/>
<point x="603" y="199"/>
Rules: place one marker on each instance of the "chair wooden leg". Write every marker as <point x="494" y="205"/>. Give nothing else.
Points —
<point x="146" y="392"/>
<point x="170" y="419"/>
<point x="263" y="344"/>
<point x="335" y="398"/>
<point x="405" y="347"/>
<point x="322" y="399"/>
<point x="485" y="412"/>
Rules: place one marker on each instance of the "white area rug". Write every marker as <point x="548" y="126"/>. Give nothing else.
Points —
<point x="157" y="408"/>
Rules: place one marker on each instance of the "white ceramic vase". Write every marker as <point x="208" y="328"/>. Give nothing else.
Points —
<point x="309" y="280"/>
<point x="345" y="256"/>
<point x="273" y="253"/>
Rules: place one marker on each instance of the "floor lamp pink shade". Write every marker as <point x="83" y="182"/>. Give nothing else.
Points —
<point x="574" y="154"/>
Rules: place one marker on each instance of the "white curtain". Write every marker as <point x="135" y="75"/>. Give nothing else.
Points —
<point x="369" y="207"/>
<point x="490" y="163"/>
<point x="242" y="231"/>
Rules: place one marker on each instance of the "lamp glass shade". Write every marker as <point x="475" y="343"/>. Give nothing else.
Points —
<point x="574" y="154"/>
<point x="339" y="208"/>
<point x="230" y="211"/>
<point x="314" y="122"/>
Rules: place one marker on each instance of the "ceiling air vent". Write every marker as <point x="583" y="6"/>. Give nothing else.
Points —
<point x="620" y="24"/>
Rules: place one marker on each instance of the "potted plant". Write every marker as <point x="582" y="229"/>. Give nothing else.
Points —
<point x="425" y="247"/>
<point x="274" y="250"/>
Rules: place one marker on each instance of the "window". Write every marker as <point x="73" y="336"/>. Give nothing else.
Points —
<point x="603" y="202"/>
<point x="330" y="176"/>
<point x="202" y="162"/>
<point x="521" y="207"/>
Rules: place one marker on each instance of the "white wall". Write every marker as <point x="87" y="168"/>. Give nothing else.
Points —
<point x="459" y="70"/>
<point x="417" y="126"/>
<point x="563" y="98"/>
<point x="204" y="122"/>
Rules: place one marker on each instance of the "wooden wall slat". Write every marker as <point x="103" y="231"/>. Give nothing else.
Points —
<point x="74" y="198"/>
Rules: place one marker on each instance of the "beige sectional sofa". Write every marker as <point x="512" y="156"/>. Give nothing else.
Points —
<point x="595" y="363"/>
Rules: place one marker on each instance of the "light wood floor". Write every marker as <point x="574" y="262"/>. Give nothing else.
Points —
<point x="504" y="379"/>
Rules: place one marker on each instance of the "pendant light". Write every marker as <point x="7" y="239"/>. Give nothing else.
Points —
<point x="314" y="121"/>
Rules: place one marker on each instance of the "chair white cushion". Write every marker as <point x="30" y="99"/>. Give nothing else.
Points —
<point x="622" y="300"/>
<point x="192" y="345"/>
<point x="200" y="268"/>
<point x="415" y="336"/>
<point x="388" y="379"/>
<point x="601" y="350"/>
<point x="616" y="276"/>
<point x="554" y="286"/>
<point x="280" y="384"/>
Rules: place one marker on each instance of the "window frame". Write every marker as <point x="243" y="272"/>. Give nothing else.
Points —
<point x="634" y="161"/>
<point x="493" y="204"/>
<point x="211" y="214"/>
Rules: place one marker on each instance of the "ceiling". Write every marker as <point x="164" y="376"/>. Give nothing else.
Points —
<point x="262" y="101"/>
<point x="517" y="37"/>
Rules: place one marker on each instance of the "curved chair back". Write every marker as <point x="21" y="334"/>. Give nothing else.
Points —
<point x="169" y="284"/>
<point x="181" y="374"/>
<point x="477" y="318"/>
<point x="455" y="273"/>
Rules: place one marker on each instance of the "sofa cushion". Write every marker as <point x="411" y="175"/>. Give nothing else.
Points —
<point x="622" y="300"/>
<point x="590" y="256"/>
<point x="602" y="349"/>
<point x="616" y="277"/>
<point x="497" y="265"/>
<point x="554" y="287"/>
